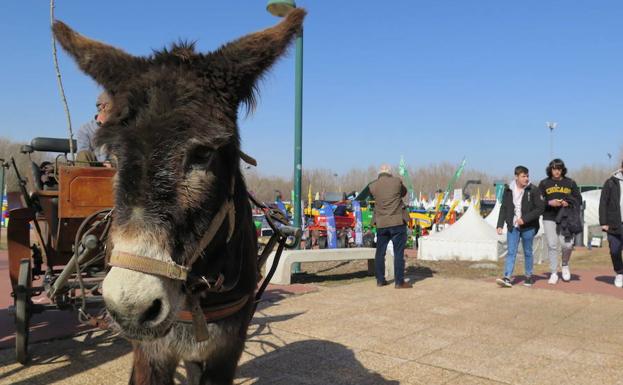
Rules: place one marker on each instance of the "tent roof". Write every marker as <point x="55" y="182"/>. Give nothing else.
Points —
<point x="470" y="227"/>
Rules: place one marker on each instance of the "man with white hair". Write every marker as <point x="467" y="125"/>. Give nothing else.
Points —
<point x="390" y="218"/>
<point x="88" y="153"/>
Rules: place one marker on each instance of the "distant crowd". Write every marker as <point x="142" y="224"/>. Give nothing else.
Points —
<point x="556" y="199"/>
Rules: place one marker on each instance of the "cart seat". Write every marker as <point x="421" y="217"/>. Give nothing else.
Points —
<point x="82" y="191"/>
<point x="49" y="145"/>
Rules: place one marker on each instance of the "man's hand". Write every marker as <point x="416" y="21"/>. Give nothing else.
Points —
<point x="520" y="222"/>
<point x="605" y="228"/>
<point x="554" y="202"/>
<point x="499" y="230"/>
<point x="564" y="203"/>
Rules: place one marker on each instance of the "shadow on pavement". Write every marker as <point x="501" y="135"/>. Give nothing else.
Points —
<point x="419" y="273"/>
<point x="78" y="356"/>
<point x="310" y="362"/>
<point x="314" y="278"/>
<point x="275" y="360"/>
<point x="48" y="325"/>
<point x="609" y="279"/>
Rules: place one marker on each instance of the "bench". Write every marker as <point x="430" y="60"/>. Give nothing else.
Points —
<point x="283" y="273"/>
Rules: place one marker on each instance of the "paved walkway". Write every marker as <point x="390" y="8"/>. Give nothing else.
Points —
<point x="443" y="331"/>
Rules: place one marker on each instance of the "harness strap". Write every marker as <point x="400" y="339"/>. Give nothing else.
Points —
<point x="148" y="265"/>
<point x="200" y="316"/>
<point x="228" y="209"/>
<point x="215" y="313"/>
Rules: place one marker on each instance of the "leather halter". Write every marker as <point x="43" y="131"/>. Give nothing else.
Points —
<point x="215" y="313"/>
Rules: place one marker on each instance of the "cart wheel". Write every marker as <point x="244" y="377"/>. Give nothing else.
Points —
<point x="22" y="311"/>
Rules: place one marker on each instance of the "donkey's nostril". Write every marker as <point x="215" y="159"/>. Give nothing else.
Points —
<point x="153" y="311"/>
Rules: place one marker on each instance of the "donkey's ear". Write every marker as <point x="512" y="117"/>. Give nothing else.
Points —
<point x="249" y="57"/>
<point x="109" y="66"/>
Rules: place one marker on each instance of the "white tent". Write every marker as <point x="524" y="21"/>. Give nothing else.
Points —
<point x="591" y="210"/>
<point x="492" y="218"/>
<point x="539" y="248"/>
<point x="591" y="214"/>
<point x="469" y="239"/>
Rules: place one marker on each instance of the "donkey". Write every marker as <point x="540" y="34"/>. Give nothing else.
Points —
<point x="184" y="249"/>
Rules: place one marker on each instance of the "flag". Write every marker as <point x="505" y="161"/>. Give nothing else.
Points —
<point x="404" y="173"/>
<point x="453" y="180"/>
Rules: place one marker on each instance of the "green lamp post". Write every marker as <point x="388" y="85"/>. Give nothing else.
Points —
<point x="280" y="8"/>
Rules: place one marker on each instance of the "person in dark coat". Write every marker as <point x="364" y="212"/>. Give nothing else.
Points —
<point x="522" y="205"/>
<point x="610" y="214"/>
<point x="557" y="190"/>
<point x="390" y="218"/>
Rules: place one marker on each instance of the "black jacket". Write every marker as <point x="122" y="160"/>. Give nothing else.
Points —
<point x="565" y="189"/>
<point x="532" y="206"/>
<point x="610" y="205"/>
<point x="569" y="219"/>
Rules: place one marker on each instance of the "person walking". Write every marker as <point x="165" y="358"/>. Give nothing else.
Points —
<point x="390" y="218"/>
<point x="522" y="205"/>
<point x="610" y="214"/>
<point x="559" y="191"/>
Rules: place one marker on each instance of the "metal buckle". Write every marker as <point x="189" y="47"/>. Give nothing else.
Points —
<point x="176" y="271"/>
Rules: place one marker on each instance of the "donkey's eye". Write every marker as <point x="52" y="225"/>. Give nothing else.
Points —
<point x="199" y="158"/>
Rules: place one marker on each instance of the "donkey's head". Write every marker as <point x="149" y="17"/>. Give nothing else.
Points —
<point x="173" y="131"/>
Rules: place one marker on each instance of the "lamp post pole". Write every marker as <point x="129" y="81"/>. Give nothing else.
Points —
<point x="3" y="167"/>
<point x="298" y="129"/>
<point x="280" y="8"/>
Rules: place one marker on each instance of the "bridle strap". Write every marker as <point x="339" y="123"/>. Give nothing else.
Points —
<point x="215" y="313"/>
<point x="228" y="209"/>
<point x="148" y="265"/>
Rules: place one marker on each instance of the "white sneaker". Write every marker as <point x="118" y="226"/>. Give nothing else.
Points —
<point x="566" y="273"/>
<point x="618" y="281"/>
<point x="553" y="279"/>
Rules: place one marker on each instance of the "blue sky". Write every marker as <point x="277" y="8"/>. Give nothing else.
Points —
<point x="430" y="80"/>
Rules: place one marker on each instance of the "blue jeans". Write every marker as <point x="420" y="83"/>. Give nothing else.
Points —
<point x="512" y="240"/>
<point x="398" y="236"/>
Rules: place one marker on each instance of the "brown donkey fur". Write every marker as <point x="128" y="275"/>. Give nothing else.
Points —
<point x="173" y="131"/>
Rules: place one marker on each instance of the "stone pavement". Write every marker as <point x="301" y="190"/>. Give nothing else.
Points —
<point x="443" y="331"/>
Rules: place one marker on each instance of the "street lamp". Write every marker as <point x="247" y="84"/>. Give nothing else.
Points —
<point x="280" y="8"/>
<point x="551" y="126"/>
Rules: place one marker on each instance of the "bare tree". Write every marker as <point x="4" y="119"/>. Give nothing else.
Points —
<point x="591" y="174"/>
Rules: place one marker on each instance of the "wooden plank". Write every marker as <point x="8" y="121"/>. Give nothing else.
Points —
<point x="84" y="190"/>
<point x="18" y="236"/>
